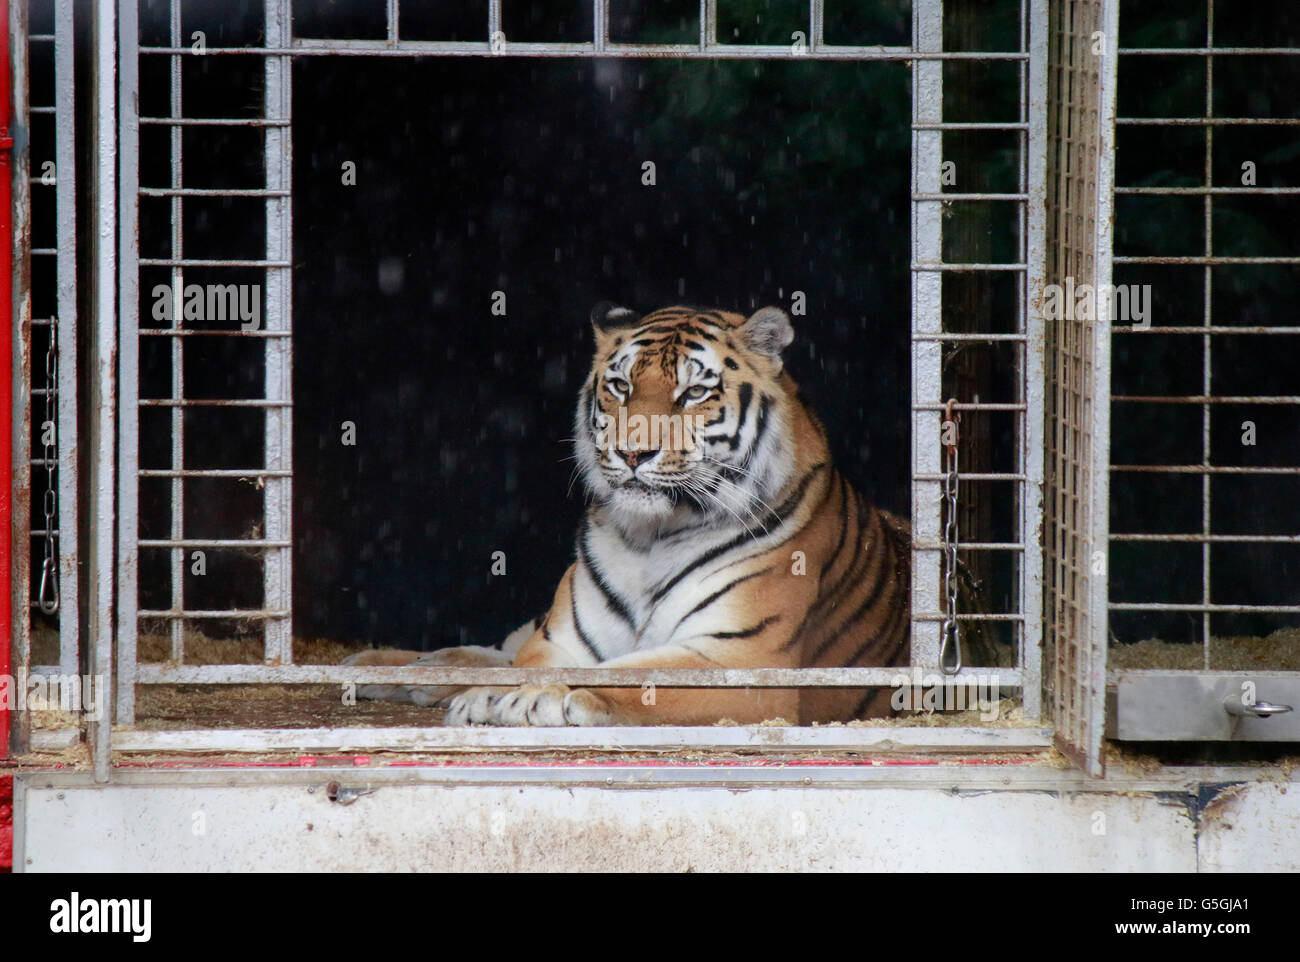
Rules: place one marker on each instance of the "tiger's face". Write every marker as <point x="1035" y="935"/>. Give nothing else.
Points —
<point x="684" y="413"/>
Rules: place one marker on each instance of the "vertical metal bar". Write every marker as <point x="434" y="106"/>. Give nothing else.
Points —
<point x="278" y="594"/>
<point x="816" y="24"/>
<point x="128" y="346"/>
<point x="927" y="318"/>
<point x="708" y="23"/>
<point x="1207" y="339"/>
<point x="65" y="167"/>
<point x="103" y="378"/>
<point x="494" y="20"/>
<point x="15" y="363"/>
<point x="1093" y="648"/>
<point x="393" y="13"/>
<point x="177" y="625"/>
<point x="1033" y="233"/>
<point x="600" y="23"/>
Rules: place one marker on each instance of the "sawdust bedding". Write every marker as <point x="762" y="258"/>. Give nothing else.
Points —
<point x="1279" y="651"/>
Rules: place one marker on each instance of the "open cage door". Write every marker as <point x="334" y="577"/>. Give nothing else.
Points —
<point x="1080" y="169"/>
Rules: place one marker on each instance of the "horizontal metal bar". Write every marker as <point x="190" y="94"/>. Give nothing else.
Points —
<point x="212" y="543"/>
<point x="186" y="262"/>
<point x="1208" y="51"/>
<point x="1205" y="191"/>
<point x="212" y="473"/>
<point x="765" y="738"/>
<point x="970" y="125"/>
<point x="191" y="332"/>
<point x="973" y="406"/>
<point x="306" y="46"/>
<point x="1211" y="538"/>
<point x="1241" y="609"/>
<point x="213" y="122"/>
<point x="967" y="267"/>
<point x="211" y="403"/>
<point x="210" y="192"/>
<point x="41" y="37"/>
<point x="972" y="476"/>
<point x="171" y="614"/>
<point x="963" y="336"/>
<point x="972" y="616"/>
<point x="1198" y="469"/>
<point x="165" y="674"/>
<point x="1208" y="121"/>
<point x="1203" y="260"/>
<point x="44" y="251"/>
<point x="1204" y="399"/>
<point x="956" y="196"/>
<point x="1208" y="329"/>
<point x="40" y="110"/>
<point x="970" y="545"/>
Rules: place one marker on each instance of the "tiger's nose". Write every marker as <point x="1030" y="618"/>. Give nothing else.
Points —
<point x="633" y="458"/>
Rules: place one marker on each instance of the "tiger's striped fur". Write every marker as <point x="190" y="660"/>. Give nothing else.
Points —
<point x="734" y="544"/>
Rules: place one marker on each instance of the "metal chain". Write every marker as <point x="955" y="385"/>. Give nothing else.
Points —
<point x="950" y="632"/>
<point x="48" y="597"/>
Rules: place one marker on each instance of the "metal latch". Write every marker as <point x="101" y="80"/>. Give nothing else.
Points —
<point x="1234" y="705"/>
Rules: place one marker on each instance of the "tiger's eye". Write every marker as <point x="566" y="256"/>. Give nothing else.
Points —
<point x="695" y="392"/>
<point x="619" y="386"/>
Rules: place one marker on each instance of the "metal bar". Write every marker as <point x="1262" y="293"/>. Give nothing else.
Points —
<point x="392" y="14"/>
<point x="278" y="492"/>
<point x="1205" y="608"/>
<point x="1204" y="259"/>
<point x="913" y="738"/>
<point x="153" y="673"/>
<point x="937" y="476"/>
<point x="209" y="192"/>
<point x="600" y="24"/>
<point x="180" y="542"/>
<point x="1211" y="538"/>
<point x="974" y="406"/>
<point x="1207" y="342"/>
<point x="947" y="196"/>
<point x="167" y="614"/>
<point x="1207" y="399"/>
<point x="211" y="473"/>
<point x="1199" y="329"/>
<point x="177" y="346"/>
<point x="927" y="320"/>
<point x="128" y="347"/>
<point x="1200" y="469"/>
<point x="212" y="122"/>
<point x="306" y="47"/>
<point x="208" y="262"/>
<point x="1206" y="51"/>
<point x="212" y="403"/>
<point x="189" y="332"/>
<point x="1200" y="191"/>
<point x="978" y="338"/>
<point x="15" y="379"/>
<point x="1209" y="121"/>
<point x="971" y="125"/>
<point x="920" y="266"/>
<point x="103" y="376"/>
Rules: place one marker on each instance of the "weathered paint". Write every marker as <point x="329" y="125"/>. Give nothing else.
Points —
<point x="234" y="822"/>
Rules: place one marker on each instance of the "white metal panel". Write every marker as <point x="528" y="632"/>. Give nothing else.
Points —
<point x="501" y="827"/>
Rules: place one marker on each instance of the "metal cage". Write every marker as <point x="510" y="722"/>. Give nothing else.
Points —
<point x="1066" y="64"/>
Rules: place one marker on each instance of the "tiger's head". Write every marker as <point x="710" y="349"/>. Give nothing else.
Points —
<point x="686" y="412"/>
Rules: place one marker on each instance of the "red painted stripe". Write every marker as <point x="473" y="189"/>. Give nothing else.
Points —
<point x="7" y="588"/>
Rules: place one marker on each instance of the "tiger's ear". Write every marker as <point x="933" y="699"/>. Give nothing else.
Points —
<point x="606" y="316"/>
<point x="768" y="332"/>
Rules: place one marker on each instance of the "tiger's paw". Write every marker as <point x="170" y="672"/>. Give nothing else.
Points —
<point x="542" y="706"/>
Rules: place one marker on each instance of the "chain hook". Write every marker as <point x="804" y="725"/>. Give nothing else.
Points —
<point x="49" y="594"/>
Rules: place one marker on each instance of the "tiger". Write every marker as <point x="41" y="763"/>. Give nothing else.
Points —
<point x="727" y="539"/>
